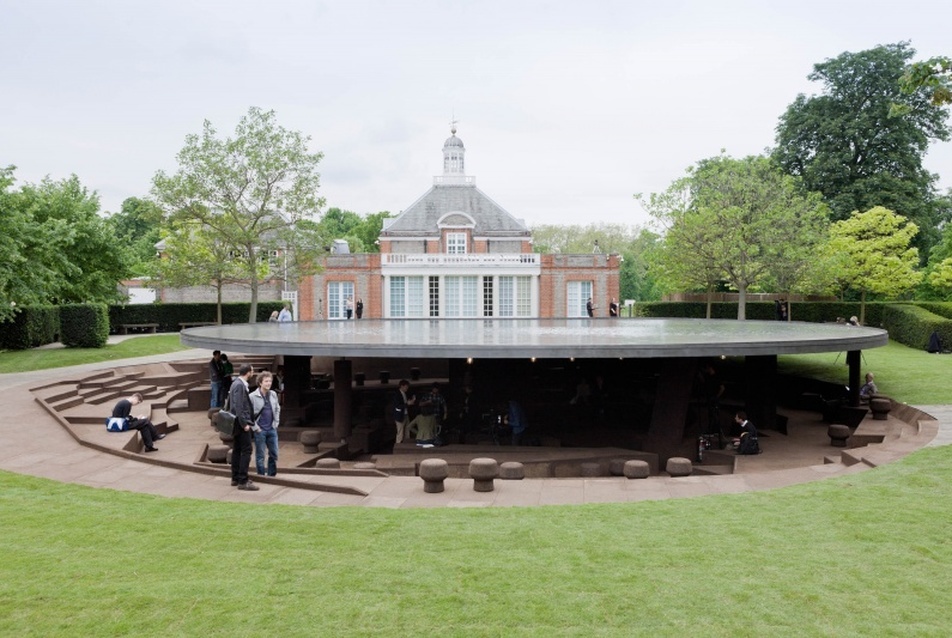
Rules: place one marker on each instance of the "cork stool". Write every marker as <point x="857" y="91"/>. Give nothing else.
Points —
<point x="483" y="471"/>
<point x="433" y="472"/>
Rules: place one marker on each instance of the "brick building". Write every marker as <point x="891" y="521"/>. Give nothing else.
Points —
<point x="456" y="253"/>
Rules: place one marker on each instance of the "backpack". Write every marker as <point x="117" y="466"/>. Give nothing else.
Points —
<point x="117" y="424"/>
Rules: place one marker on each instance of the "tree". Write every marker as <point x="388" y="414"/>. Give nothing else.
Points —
<point x="875" y="254"/>
<point x="845" y="145"/>
<point x="935" y="75"/>
<point x="743" y="221"/>
<point x="137" y="225"/>
<point x="250" y="190"/>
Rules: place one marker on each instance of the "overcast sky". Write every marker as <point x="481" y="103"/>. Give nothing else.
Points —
<point x="566" y="108"/>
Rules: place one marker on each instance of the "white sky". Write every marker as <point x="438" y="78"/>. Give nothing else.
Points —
<point x="566" y="108"/>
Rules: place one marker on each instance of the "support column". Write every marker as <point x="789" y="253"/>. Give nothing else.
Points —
<point x="297" y="381"/>
<point x="853" y="361"/>
<point x="760" y="400"/>
<point x="669" y="416"/>
<point x="343" y="378"/>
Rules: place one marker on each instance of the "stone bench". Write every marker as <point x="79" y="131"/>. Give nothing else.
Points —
<point x="679" y="466"/>
<point x="327" y="463"/>
<point x="217" y="453"/>
<point x="433" y="472"/>
<point x="635" y="469"/>
<point x="880" y="408"/>
<point x="483" y="471"/>
<point x="838" y="434"/>
<point x="311" y="440"/>
<point x="512" y="471"/>
<point x="144" y="327"/>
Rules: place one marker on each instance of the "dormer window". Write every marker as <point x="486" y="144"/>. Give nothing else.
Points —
<point x="456" y="243"/>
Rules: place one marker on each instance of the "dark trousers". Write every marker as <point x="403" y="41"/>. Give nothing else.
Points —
<point x="146" y="430"/>
<point x="241" y="455"/>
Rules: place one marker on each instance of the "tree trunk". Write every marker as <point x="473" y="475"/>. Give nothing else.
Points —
<point x="218" y="290"/>
<point x="253" y="271"/>
<point x="710" y="296"/>
<point x="862" y="309"/>
<point x="742" y="302"/>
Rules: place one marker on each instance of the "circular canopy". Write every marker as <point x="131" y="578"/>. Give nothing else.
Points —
<point x="542" y="338"/>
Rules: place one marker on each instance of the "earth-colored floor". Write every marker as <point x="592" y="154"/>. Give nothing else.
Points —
<point x="36" y="444"/>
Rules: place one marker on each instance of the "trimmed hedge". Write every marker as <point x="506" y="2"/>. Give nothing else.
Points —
<point x="84" y="325"/>
<point x="170" y="315"/>
<point x="941" y="308"/>
<point x="31" y="327"/>
<point x="912" y="325"/>
<point x="811" y="311"/>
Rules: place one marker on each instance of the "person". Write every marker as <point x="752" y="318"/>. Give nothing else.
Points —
<point x="853" y="321"/>
<point x="285" y="314"/>
<point x="239" y="403"/>
<point x="596" y="249"/>
<point x="123" y="410"/>
<point x="468" y="413"/>
<point x="590" y="307"/>
<point x="401" y="411"/>
<point x="433" y="413"/>
<point x="349" y="307"/>
<point x="278" y="383"/>
<point x="869" y="389"/>
<point x="781" y="308"/>
<point x="748" y="437"/>
<point x="274" y="317"/>
<point x="267" y="411"/>
<point x="516" y="420"/>
<point x="359" y="308"/>
<point x="216" y="374"/>
<point x="228" y="373"/>
<point x="583" y="393"/>
<point x="713" y="389"/>
<point x="613" y="308"/>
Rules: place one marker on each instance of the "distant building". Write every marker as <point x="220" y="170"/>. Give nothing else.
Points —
<point x="456" y="253"/>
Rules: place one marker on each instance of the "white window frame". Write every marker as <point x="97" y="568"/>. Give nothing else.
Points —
<point x="576" y="297"/>
<point x="456" y="243"/>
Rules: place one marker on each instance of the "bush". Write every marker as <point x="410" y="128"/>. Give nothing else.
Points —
<point x="912" y="325"/>
<point x="32" y="326"/>
<point x="170" y="315"/>
<point x="809" y="311"/>
<point x="84" y="325"/>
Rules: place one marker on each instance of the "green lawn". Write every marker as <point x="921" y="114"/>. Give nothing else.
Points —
<point x="906" y="374"/>
<point x="43" y="359"/>
<point x="865" y="555"/>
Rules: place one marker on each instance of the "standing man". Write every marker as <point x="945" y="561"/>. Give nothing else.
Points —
<point x="613" y="308"/>
<point x="590" y="307"/>
<point x="349" y="307"/>
<point x="267" y="411"/>
<point x="216" y="374"/>
<point x="516" y="420"/>
<point x="401" y="410"/>
<point x="359" y="308"/>
<point x="123" y="410"/>
<point x="285" y="314"/>
<point x="239" y="402"/>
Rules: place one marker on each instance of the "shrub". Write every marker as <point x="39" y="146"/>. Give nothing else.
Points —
<point x="912" y="325"/>
<point x="84" y="325"/>
<point x="170" y="315"/>
<point x="32" y="326"/>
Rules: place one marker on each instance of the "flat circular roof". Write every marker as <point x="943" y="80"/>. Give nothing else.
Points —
<point x="542" y="338"/>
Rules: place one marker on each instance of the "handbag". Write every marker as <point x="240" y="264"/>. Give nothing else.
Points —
<point x="225" y="422"/>
<point x="117" y="424"/>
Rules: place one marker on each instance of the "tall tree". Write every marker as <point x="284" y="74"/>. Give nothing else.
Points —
<point x="250" y="189"/>
<point x="845" y="145"/>
<point x="874" y="253"/>
<point x="935" y="75"/>
<point x="137" y="225"/>
<point x="742" y="220"/>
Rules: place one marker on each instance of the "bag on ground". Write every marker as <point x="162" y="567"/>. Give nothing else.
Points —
<point x="117" y="424"/>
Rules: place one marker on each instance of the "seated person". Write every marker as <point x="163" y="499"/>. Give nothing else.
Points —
<point x="123" y="410"/>
<point x="748" y="444"/>
<point x="424" y="428"/>
<point x="868" y="390"/>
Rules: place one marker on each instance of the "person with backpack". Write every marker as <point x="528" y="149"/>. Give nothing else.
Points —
<point x="239" y="403"/>
<point x="749" y="444"/>
<point x="123" y="410"/>
<point x="267" y="415"/>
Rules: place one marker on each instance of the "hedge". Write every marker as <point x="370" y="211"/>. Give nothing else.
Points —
<point x="84" y="325"/>
<point x="170" y="315"/>
<point x="812" y="311"/>
<point x="32" y="326"/>
<point x="912" y="325"/>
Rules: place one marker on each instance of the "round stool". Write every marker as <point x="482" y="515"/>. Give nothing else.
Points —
<point x="311" y="439"/>
<point x="678" y="466"/>
<point x="590" y="469"/>
<point x="433" y="472"/>
<point x="512" y="471"/>
<point x="211" y="415"/>
<point x="328" y="463"/>
<point x="838" y="434"/>
<point x="483" y="471"/>
<point x="635" y="469"/>
<point x="880" y="408"/>
<point x="227" y="439"/>
<point x="217" y="453"/>
<point x="616" y="467"/>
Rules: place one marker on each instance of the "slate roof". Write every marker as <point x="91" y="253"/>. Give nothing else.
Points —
<point x="422" y="216"/>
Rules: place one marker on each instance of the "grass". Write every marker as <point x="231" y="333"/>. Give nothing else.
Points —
<point x="860" y="555"/>
<point x="906" y="374"/>
<point x="43" y="359"/>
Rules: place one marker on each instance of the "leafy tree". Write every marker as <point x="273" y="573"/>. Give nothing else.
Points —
<point x="845" y="145"/>
<point x="941" y="276"/>
<point x="741" y="220"/>
<point x="935" y="75"/>
<point x="369" y="230"/>
<point x="137" y="225"/>
<point x="250" y="190"/>
<point x="874" y="253"/>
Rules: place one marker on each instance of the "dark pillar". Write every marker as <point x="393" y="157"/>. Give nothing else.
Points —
<point x="342" y="399"/>
<point x="760" y="398"/>
<point x="297" y="381"/>
<point x="669" y="416"/>
<point x="853" y="361"/>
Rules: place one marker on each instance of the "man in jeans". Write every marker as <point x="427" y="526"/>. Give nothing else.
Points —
<point x="239" y="402"/>
<point x="267" y="410"/>
<point x="216" y="374"/>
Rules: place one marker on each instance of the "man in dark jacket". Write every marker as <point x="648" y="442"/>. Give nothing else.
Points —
<point x="239" y="403"/>
<point x="216" y="375"/>
<point x="123" y="410"/>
